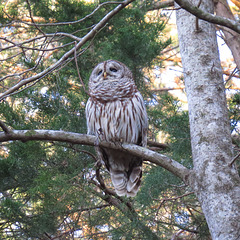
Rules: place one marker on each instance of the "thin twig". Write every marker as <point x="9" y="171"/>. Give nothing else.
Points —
<point x="197" y="19"/>
<point x="175" y="198"/>
<point x="61" y="23"/>
<point x="20" y="45"/>
<point x="171" y="199"/>
<point x="30" y="13"/>
<point x="60" y="34"/>
<point x="79" y="76"/>
<point x="231" y="75"/>
<point x="234" y="159"/>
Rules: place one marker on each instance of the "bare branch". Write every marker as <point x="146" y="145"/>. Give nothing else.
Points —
<point x="61" y="23"/>
<point x="77" y="138"/>
<point x="47" y="49"/>
<point x="175" y="198"/>
<point x="66" y="56"/>
<point x="163" y="4"/>
<point x="30" y="13"/>
<point x="232" y="24"/>
<point x="79" y="76"/>
<point x="197" y="22"/>
<point x="167" y="89"/>
<point x="59" y="34"/>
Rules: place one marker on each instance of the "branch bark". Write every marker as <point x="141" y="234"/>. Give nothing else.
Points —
<point x="209" y="17"/>
<point x="77" y="138"/>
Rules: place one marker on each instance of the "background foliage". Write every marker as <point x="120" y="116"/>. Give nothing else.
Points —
<point x="49" y="190"/>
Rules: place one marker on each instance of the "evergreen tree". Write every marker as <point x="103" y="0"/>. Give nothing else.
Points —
<point x="54" y="189"/>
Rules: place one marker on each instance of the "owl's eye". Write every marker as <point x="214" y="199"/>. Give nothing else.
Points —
<point x="99" y="72"/>
<point x="113" y="69"/>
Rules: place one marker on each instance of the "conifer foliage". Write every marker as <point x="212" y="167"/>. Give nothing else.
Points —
<point x="54" y="189"/>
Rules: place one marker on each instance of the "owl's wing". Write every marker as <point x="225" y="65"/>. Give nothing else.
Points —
<point x="139" y="104"/>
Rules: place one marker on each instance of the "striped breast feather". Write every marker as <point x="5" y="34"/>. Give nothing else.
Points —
<point x="122" y="120"/>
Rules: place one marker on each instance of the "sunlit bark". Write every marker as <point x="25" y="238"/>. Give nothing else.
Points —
<point x="215" y="182"/>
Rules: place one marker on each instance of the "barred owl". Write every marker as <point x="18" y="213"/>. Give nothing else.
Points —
<point x="116" y="109"/>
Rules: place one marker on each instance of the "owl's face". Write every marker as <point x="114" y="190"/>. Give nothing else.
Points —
<point x="110" y="71"/>
<point x="111" y="80"/>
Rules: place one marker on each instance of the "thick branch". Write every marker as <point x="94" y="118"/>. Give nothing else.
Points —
<point x="222" y="21"/>
<point x="66" y="56"/>
<point x="4" y="127"/>
<point x="84" y="139"/>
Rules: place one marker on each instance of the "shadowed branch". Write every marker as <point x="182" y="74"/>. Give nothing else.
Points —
<point x="77" y="138"/>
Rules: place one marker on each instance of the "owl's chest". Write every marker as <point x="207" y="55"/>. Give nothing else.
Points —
<point x="111" y="115"/>
<point x="113" y="91"/>
<point x="116" y="120"/>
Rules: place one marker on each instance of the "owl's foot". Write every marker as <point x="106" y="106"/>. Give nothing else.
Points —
<point x="100" y="135"/>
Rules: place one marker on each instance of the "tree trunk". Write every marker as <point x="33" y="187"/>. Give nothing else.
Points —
<point x="215" y="182"/>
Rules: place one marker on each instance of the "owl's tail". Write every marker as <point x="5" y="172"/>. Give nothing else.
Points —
<point x="127" y="183"/>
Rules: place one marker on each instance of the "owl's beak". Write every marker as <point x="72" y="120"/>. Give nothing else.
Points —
<point x="104" y="75"/>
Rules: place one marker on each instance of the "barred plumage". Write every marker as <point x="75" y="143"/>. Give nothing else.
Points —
<point x="116" y="108"/>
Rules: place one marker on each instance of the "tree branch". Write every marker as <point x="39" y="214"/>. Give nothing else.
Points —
<point x="4" y="127"/>
<point x="58" y="23"/>
<point x="30" y="13"/>
<point x="231" y="38"/>
<point x="77" y="138"/>
<point x="65" y="57"/>
<point x="163" y="4"/>
<point x="222" y="21"/>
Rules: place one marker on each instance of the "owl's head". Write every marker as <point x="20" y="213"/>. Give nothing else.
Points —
<point x="110" y="70"/>
<point x="111" y="79"/>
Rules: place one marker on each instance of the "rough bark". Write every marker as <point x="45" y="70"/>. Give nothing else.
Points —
<point x="215" y="183"/>
<point x="231" y="37"/>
